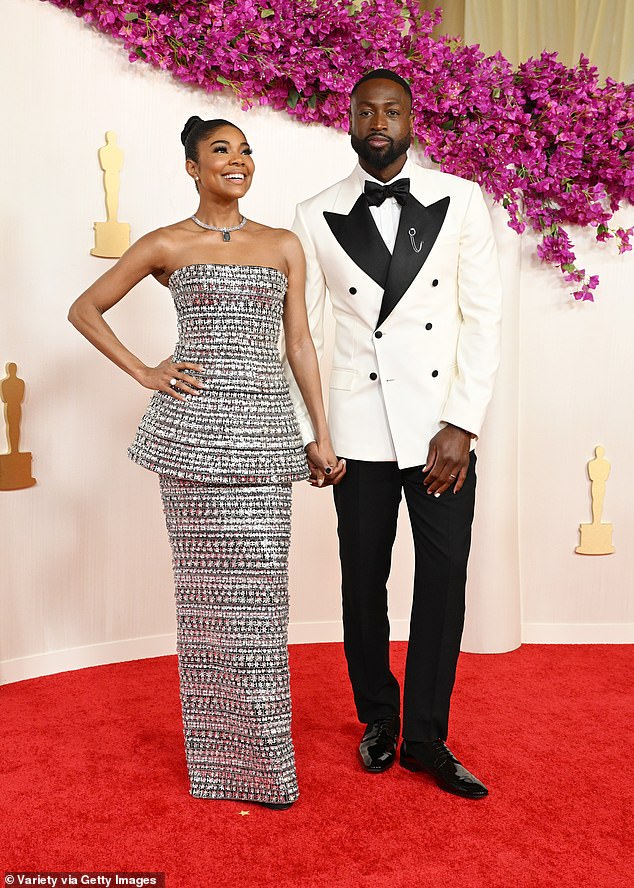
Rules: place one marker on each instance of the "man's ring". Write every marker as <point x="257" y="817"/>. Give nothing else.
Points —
<point x="452" y="476"/>
<point x="173" y="381"/>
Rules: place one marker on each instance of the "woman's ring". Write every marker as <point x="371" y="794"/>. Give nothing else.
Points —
<point x="452" y="476"/>
<point x="173" y="381"/>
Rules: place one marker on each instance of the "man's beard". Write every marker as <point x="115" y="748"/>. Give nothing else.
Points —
<point x="379" y="159"/>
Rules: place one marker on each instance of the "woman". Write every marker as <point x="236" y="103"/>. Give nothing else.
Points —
<point x="221" y="434"/>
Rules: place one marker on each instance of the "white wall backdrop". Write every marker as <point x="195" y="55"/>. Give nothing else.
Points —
<point x="84" y="559"/>
<point x="576" y="376"/>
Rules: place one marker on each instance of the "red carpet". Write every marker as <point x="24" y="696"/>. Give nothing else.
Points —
<point x="94" y="779"/>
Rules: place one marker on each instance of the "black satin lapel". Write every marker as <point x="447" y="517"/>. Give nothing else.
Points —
<point x="359" y="237"/>
<point x="406" y="262"/>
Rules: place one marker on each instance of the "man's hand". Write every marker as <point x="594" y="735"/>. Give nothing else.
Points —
<point x="447" y="460"/>
<point x="324" y="466"/>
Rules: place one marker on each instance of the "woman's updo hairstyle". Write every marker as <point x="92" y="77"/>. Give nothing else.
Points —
<point x="196" y="129"/>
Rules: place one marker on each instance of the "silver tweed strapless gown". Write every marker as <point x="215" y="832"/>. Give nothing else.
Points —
<point x="226" y="459"/>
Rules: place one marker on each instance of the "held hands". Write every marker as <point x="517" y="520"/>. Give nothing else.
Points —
<point x="169" y="377"/>
<point x="325" y="468"/>
<point x="447" y="460"/>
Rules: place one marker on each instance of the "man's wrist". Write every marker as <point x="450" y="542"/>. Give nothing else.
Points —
<point x="460" y="429"/>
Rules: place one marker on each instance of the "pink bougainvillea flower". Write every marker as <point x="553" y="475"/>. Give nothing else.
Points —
<point x="549" y="142"/>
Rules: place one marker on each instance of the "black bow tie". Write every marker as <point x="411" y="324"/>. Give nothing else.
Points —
<point x="376" y="194"/>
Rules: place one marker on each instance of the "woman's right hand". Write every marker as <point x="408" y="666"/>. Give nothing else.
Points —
<point x="169" y="377"/>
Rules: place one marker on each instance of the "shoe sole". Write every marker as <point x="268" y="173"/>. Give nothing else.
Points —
<point x="276" y="806"/>
<point x="417" y="768"/>
<point x="376" y="770"/>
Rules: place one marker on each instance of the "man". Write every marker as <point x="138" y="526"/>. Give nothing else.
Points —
<point x="408" y="257"/>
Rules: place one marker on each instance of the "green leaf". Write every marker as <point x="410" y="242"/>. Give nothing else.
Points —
<point x="366" y="44"/>
<point x="293" y="99"/>
<point x="618" y="134"/>
<point x="495" y="93"/>
<point x="131" y="16"/>
<point x="506" y="202"/>
<point x="569" y="267"/>
<point x="312" y="102"/>
<point x="223" y="80"/>
<point x="267" y="13"/>
<point x="139" y="51"/>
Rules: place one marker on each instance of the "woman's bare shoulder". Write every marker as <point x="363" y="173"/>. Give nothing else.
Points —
<point x="280" y="236"/>
<point x="163" y="245"/>
<point x="165" y="236"/>
<point x="174" y="233"/>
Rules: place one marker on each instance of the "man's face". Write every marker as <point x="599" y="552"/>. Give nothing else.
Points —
<point x="380" y="123"/>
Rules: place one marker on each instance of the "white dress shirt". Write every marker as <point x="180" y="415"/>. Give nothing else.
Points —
<point x="388" y="215"/>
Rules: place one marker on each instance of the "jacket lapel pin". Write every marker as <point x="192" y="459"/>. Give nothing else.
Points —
<point x="412" y="233"/>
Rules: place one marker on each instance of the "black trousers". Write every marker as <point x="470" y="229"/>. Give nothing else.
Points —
<point x="367" y="502"/>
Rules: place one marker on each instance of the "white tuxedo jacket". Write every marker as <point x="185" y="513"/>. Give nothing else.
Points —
<point x="417" y="333"/>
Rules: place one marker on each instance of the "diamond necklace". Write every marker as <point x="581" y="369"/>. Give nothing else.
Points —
<point x="226" y="232"/>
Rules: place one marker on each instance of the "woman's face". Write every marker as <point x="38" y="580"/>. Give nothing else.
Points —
<point x="225" y="166"/>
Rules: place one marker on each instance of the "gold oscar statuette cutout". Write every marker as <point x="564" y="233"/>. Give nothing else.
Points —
<point x="596" y="538"/>
<point x="15" y="467"/>
<point x="112" y="238"/>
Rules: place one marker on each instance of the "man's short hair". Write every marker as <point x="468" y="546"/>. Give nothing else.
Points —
<point x="383" y="74"/>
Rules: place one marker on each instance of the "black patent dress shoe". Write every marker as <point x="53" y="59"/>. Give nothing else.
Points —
<point x="378" y="744"/>
<point x="277" y="806"/>
<point x="436" y="759"/>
